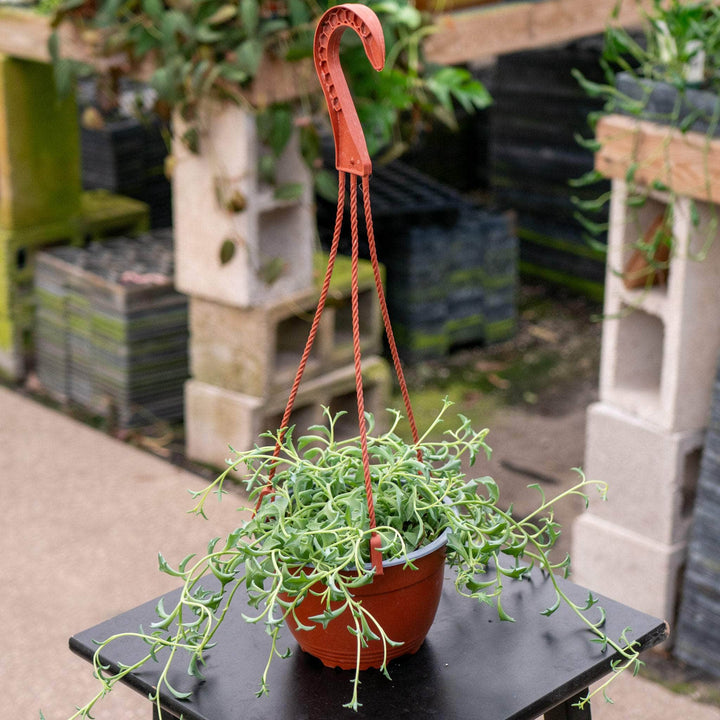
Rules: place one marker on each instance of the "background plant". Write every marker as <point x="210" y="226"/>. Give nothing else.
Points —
<point x="315" y="529"/>
<point x="675" y="35"/>
<point x="214" y="48"/>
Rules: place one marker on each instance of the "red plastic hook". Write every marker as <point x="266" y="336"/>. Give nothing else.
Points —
<point x="351" y="154"/>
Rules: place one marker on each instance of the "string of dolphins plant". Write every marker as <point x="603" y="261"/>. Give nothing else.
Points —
<point x="314" y="529"/>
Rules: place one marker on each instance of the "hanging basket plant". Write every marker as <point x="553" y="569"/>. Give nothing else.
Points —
<point x="349" y="537"/>
<point x="303" y="561"/>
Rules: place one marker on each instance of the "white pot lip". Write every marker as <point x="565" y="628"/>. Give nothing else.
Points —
<point x="421" y="552"/>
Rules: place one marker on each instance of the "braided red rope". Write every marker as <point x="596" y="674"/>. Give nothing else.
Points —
<point x="268" y="489"/>
<point x="375" y="540"/>
<point x="386" y="316"/>
<point x="351" y="156"/>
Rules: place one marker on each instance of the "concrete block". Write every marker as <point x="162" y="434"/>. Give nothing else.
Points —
<point x="216" y="418"/>
<point x="257" y="252"/>
<point x="617" y="562"/>
<point x="257" y="350"/>
<point x="652" y="474"/>
<point x="39" y="147"/>
<point x="254" y="351"/>
<point x="660" y="345"/>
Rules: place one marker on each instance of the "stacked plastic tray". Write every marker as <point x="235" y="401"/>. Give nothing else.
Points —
<point x="451" y="266"/>
<point x="111" y="331"/>
<point x="698" y="628"/>
<point x="538" y="111"/>
<point x="126" y="156"/>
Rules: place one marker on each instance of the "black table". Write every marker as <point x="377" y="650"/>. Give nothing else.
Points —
<point x="472" y="665"/>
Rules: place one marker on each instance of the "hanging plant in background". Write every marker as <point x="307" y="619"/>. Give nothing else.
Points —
<point x="214" y="48"/>
<point x="669" y="75"/>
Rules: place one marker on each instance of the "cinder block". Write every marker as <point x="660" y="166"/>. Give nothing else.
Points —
<point x="252" y="351"/>
<point x="216" y="418"/>
<point x="39" y="147"/>
<point x="262" y="249"/>
<point x="257" y="350"/>
<point x="651" y="473"/>
<point x="628" y="567"/>
<point x="660" y="345"/>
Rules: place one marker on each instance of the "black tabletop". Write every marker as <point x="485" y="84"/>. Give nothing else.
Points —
<point x="472" y="665"/>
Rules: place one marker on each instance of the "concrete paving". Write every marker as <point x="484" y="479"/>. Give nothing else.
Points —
<point x="83" y="517"/>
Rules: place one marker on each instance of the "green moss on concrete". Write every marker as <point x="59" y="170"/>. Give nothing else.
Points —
<point x="342" y="272"/>
<point x="499" y="331"/>
<point x="589" y="288"/>
<point x="8" y="333"/>
<point x="103" y="213"/>
<point x="36" y="236"/>
<point x="427" y="401"/>
<point x="39" y="147"/>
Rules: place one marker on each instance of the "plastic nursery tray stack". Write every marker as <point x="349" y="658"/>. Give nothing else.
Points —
<point x="111" y="331"/>
<point x="126" y="155"/>
<point x="698" y="628"/>
<point x="451" y="266"/>
<point x="539" y="108"/>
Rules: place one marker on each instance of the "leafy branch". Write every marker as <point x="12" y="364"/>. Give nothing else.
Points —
<point x="679" y="49"/>
<point x="199" y="49"/>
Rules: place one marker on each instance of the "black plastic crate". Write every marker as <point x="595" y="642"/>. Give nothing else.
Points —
<point x="539" y="109"/>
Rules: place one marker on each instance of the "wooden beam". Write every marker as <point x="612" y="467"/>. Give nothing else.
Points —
<point x="24" y="34"/>
<point x="467" y="35"/>
<point x="463" y="35"/>
<point x="687" y="163"/>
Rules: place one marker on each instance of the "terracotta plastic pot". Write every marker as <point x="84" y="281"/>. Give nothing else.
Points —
<point x="403" y="601"/>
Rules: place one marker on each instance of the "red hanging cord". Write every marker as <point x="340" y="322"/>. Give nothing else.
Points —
<point x="351" y="157"/>
<point x="268" y="489"/>
<point x="386" y="315"/>
<point x="375" y="540"/>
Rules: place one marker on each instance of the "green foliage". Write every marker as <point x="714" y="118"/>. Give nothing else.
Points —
<point x="314" y="528"/>
<point x="676" y="34"/>
<point x="203" y="48"/>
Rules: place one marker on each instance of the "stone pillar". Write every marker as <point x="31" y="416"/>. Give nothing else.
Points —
<point x="645" y="436"/>
<point x="235" y="242"/>
<point x="246" y="259"/>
